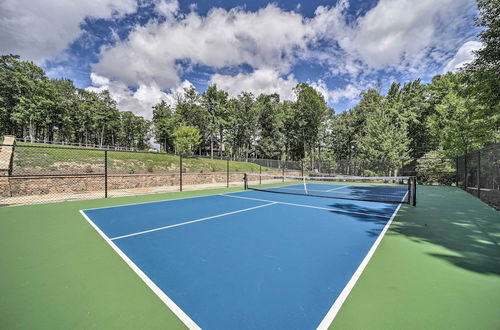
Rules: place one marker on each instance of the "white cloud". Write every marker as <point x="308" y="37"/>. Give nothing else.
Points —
<point x="404" y="37"/>
<point x="394" y="34"/>
<point x="349" y="92"/>
<point x="263" y="81"/>
<point x="38" y="30"/>
<point x="463" y="56"/>
<point x="268" y="38"/>
<point x="140" y="101"/>
<point x="167" y="8"/>
<point x="98" y="80"/>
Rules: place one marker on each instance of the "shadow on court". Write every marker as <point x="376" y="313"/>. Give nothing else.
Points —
<point x="455" y="220"/>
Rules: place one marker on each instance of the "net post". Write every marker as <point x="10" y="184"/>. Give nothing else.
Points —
<point x="414" y="192"/>
<point x="410" y="190"/>
<point x="105" y="174"/>
<point x="180" y="173"/>
<point x="227" y="172"/>
<point x="245" y="181"/>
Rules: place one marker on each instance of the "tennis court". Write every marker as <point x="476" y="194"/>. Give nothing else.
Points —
<point x="437" y="266"/>
<point x="253" y="259"/>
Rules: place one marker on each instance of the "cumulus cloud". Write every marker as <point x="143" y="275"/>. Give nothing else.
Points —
<point x="38" y="30"/>
<point x="349" y="92"/>
<point x="139" y="101"/>
<point x="395" y="33"/>
<point x="263" y="81"/>
<point x="399" y="36"/>
<point x="464" y="55"/>
<point x="268" y="38"/>
<point x="167" y="8"/>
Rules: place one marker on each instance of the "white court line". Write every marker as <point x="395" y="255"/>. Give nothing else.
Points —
<point x="309" y="206"/>
<point x="336" y="188"/>
<point x="302" y="189"/>
<point x="166" y="300"/>
<point x="152" y="202"/>
<point x="328" y="319"/>
<point x="192" y="221"/>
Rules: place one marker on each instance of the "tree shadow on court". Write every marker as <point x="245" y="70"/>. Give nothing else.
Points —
<point x="362" y="213"/>
<point x="464" y="231"/>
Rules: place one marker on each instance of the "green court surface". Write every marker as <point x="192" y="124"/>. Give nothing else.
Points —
<point x="438" y="267"/>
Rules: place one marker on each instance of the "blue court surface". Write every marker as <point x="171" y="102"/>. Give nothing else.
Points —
<point x="247" y="260"/>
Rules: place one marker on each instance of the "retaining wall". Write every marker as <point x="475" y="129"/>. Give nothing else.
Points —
<point x="33" y="185"/>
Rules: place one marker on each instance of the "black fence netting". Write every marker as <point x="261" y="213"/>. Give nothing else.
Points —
<point x="478" y="173"/>
<point x="45" y="173"/>
<point x="36" y="173"/>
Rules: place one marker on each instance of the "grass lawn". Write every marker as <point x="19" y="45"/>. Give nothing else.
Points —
<point x="28" y="159"/>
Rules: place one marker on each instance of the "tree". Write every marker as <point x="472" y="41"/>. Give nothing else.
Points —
<point x="242" y="124"/>
<point x="384" y="139"/>
<point x="459" y="125"/>
<point x="25" y="97"/>
<point x="271" y="120"/>
<point x="215" y="102"/>
<point x="165" y="123"/>
<point x="186" y="139"/>
<point x="190" y="112"/>
<point x="310" y="115"/>
<point x="482" y="73"/>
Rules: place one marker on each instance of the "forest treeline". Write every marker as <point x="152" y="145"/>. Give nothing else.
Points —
<point x="453" y="114"/>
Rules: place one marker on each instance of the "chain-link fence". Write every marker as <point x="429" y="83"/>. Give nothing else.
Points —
<point x="478" y="173"/>
<point x="43" y="173"/>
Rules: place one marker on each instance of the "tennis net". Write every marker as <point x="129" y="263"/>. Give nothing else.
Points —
<point x="400" y="189"/>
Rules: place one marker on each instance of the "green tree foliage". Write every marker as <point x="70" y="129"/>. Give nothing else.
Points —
<point x="242" y="124"/>
<point x="34" y="107"/>
<point x="186" y="139"/>
<point x="165" y="123"/>
<point x="215" y="102"/>
<point x="310" y="117"/>
<point x="436" y="167"/>
<point x="271" y="122"/>
<point x="483" y="73"/>
<point x="453" y="114"/>
<point x="384" y="134"/>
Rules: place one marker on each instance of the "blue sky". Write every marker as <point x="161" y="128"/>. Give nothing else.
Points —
<point x="147" y="51"/>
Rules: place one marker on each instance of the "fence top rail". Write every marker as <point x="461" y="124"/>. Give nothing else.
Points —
<point x="88" y="145"/>
<point x="82" y="148"/>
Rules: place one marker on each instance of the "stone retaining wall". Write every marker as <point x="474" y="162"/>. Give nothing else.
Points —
<point x="26" y="186"/>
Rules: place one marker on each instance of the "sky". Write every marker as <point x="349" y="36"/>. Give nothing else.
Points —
<point x="147" y="51"/>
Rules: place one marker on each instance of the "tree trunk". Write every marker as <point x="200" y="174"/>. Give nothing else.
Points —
<point x="31" y="130"/>
<point x="212" y="146"/>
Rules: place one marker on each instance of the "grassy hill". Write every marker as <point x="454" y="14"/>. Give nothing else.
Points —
<point x="38" y="158"/>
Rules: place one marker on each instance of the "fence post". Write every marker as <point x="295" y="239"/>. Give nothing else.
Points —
<point x="479" y="174"/>
<point x="105" y="174"/>
<point x="180" y="174"/>
<point x="465" y="172"/>
<point x="260" y="174"/>
<point x="283" y="171"/>
<point x="456" y="171"/>
<point x="227" y="172"/>
<point x="302" y="167"/>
